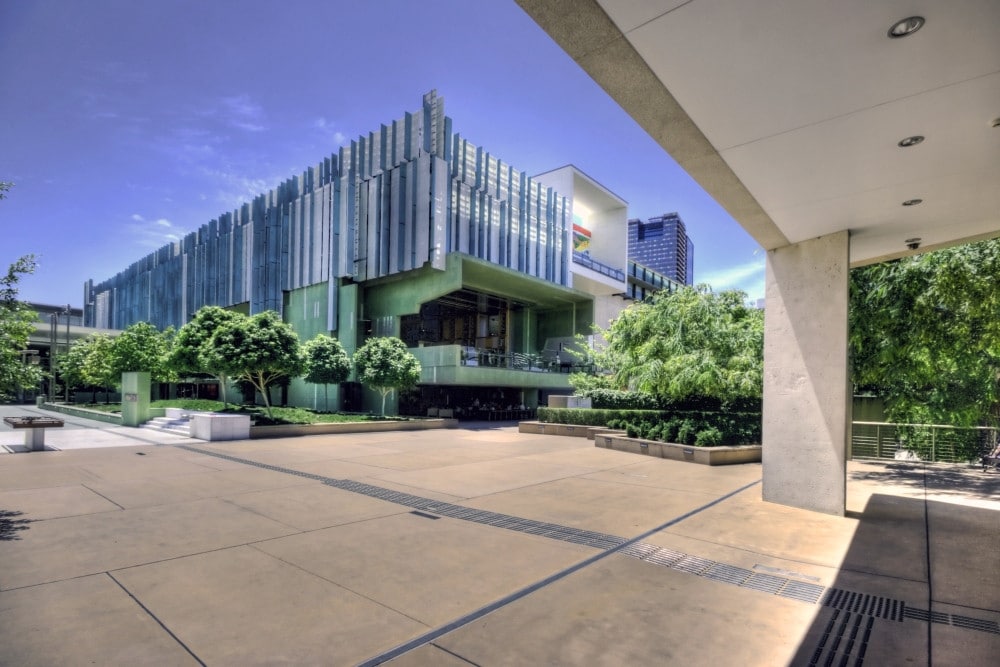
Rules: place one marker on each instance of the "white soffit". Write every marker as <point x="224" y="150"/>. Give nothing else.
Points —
<point x="805" y="100"/>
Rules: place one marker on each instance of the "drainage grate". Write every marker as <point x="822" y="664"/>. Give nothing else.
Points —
<point x="967" y="622"/>
<point x="862" y="603"/>
<point x="845" y="637"/>
<point x="799" y="590"/>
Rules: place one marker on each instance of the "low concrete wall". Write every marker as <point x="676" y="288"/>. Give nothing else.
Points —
<point x="96" y="415"/>
<point x="294" y="430"/>
<point x="546" y="428"/>
<point x="712" y="456"/>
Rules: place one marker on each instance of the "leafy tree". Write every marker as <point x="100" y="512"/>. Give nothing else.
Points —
<point x="925" y="335"/>
<point x="385" y="364"/>
<point x="98" y="368"/>
<point x="191" y="353"/>
<point x="16" y="324"/>
<point x="326" y="363"/>
<point x="142" y="348"/>
<point x="72" y="365"/>
<point x="689" y="344"/>
<point x="5" y="187"/>
<point x="259" y="349"/>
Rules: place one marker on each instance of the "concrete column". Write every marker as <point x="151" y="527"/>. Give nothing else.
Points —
<point x="135" y="398"/>
<point x="807" y="407"/>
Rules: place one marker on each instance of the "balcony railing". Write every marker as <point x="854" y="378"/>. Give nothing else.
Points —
<point x="592" y="264"/>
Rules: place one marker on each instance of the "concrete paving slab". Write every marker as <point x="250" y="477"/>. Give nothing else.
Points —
<point x="747" y="522"/>
<point x="593" y="504"/>
<point x="83" y="621"/>
<point x="342" y="469"/>
<point x="41" y="476"/>
<point x="621" y="611"/>
<point x="434" y="458"/>
<point x="55" y="502"/>
<point x="432" y="570"/>
<point x="965" y="556"/>
<point x="76" y="546"/>
<point x="960" y="645"/>
<point x="430" y="654"/>
<point x="149" y="492"/>
<point x="241" y="606"/>
<point x="476" y="479"/>
<point x="597" y="458"/>
<point x="680" y="476"/>
<point x="314" y="506"/>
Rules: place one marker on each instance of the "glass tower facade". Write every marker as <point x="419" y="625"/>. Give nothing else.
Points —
<point x="662" y="244"/>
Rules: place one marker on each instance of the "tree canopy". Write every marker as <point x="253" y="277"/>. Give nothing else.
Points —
<point x="141" y="347"/>
<point x="925" y="334"/>
<point x="688" y="344"/>
<point x="98" y="368"/>
<point x="260" y="349"/>
<point x="191" y="351"/>
<point x="326" y="363"/>
<point x="384" y="364"/>
<point x="16" y="324"/>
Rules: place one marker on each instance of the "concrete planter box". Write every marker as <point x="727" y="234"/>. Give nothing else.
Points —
<point x="712" y="456"/>
<point x="594" y="431"/>
<point x="214" y="427"/>
<point x="295" y="430"/>
<point x="547" y="428"/>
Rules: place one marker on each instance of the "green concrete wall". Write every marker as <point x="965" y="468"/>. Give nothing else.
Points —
<point x="306" y="310"/>
<point x="404" y="297"/>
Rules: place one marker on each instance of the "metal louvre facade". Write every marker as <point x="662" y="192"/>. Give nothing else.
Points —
<point x="401" y="197"/>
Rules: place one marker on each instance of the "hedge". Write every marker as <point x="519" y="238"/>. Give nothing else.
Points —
<point x="615" y="399"/>
<point x="688" y="427"/>
<point x="593" y="417"/>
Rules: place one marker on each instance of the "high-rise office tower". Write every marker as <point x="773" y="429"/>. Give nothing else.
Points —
<point x="662" y="244"/>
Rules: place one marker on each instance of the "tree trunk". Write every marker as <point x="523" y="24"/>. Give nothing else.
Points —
<point x="326" y="397"/>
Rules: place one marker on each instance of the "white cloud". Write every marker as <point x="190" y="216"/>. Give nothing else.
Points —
<point x="329" y="132"/>
<point x="153" y="233"/>
<point x="244" y="113"/>
<point x="748" y="277"/>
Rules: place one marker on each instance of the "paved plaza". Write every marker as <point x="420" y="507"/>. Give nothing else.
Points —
<point x="477" y="546"/>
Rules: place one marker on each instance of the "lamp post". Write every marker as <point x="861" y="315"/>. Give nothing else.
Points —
<point x="67" y="312"/>
<point x="53" y="327"/>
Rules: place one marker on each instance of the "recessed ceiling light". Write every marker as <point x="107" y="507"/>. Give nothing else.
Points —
<point x="910" y="141"/>
<point x="906" y="26"/>
<point x="912" y="202"/>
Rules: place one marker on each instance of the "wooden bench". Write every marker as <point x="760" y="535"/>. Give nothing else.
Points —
<point x="34" y="434"/>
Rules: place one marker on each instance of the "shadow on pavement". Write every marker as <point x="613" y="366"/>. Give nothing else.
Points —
<point x="960" y="481"/>
<point x="918" y="584"/>
<point x="10" y="526"/>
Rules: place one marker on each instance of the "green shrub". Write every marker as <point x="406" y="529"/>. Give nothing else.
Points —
<point x="709" y="437"/>
<point x="686" y="431"/>
<point x="680" y="426"/>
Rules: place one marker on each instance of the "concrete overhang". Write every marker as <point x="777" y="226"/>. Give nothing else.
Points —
<point x="789" y="113"/>
<point x="488" y="277"/>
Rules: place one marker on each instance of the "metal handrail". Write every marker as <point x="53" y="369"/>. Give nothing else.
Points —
<point x="930" y="442"/>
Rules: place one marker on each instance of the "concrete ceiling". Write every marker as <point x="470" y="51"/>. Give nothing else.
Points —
<point x="788" y="112"/>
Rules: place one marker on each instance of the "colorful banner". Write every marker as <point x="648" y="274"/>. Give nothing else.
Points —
<point x="581" y="238"/>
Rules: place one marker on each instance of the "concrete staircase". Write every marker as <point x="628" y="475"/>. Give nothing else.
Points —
<point x="177" y="425"/>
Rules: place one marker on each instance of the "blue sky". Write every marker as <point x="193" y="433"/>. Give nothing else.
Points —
<point x="126" y="124"/>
